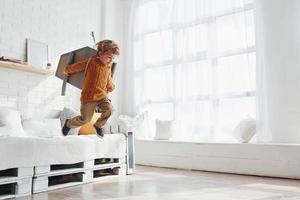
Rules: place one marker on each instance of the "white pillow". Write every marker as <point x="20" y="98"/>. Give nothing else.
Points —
<point x="68" y="113"/>
<point x="5" y="130"/>
<point x="141" y="126"/>
<point x="164" y="130"/>
<point x="10" y="123"/>
<point x="51" y="114"/>
<point x="245" y="130"/>
<point x="42" y="128"/>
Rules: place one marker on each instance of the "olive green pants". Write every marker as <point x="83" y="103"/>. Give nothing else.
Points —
<point x="87" y="111"/>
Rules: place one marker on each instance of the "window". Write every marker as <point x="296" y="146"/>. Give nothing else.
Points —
<point x="194" y="63"/>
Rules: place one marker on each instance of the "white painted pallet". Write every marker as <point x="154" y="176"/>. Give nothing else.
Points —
<point x="16" y="188"/>
<point x="13" y="174"/>
<point x="43" y="183"/>
<point x="55" y="181"/>
<point x="108" y="162"/>
<point x="119" y="170"/>
<point x="115" y="167"/>
<point x="53" y="177"/>
<point x="63" y="169"/>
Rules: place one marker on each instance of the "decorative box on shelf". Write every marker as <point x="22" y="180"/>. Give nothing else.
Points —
<point x="27" y="68"/>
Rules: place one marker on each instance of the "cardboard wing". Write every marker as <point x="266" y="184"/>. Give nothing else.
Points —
<point x="70" y="58"/>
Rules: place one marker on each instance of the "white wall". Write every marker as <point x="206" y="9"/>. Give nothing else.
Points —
<point x="64" y="26"/>
<point x="113" y="25"/>
<point x="278" y="66"/>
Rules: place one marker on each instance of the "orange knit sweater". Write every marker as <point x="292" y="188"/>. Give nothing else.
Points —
<point x="97" y="79"/>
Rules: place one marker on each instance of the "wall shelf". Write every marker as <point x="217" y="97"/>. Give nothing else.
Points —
<point x="27" y="68"/>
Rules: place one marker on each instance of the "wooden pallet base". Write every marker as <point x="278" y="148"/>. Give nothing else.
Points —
<point x="13" y="174"/>
<point x="53" y="177"/>
<point x="16" y="188"/>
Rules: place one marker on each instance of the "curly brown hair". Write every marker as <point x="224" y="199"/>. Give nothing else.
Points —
<point x="107" y="46"/>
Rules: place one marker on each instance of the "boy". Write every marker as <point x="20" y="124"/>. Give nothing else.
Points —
<point x="96" y="85"/>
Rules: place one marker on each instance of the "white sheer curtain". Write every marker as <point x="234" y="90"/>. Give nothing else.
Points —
<point x="278" y="48"/>
<point x="192" y="61"/>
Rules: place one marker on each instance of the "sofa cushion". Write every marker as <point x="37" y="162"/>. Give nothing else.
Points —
<point x="42" y="128"/>
<point x="10" y="123"/>
<point x="245" y="130"/>
<point x="164" y="130"/>
<point x="68" y="113"/>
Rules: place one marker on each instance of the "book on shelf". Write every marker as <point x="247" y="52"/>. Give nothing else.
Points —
<point x="10" y="59"/>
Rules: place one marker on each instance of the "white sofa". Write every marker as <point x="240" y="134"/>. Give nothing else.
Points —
<point x="35" y="164"/>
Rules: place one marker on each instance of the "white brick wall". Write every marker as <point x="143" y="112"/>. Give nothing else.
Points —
<point x="64" y="26"/>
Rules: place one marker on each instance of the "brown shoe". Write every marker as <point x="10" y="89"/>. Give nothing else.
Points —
<point x="99" y="132"/>
<point x="65" y="129"/>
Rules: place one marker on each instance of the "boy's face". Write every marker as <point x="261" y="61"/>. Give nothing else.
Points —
<point x="107" y="59"/>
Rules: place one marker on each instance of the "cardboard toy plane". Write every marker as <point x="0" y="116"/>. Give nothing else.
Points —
<point x="70" y="58"/>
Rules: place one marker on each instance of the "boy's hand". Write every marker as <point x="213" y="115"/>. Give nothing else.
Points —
<point x="65" y="73"/>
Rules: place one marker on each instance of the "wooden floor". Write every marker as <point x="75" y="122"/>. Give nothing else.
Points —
<point x="153" y="183"/>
